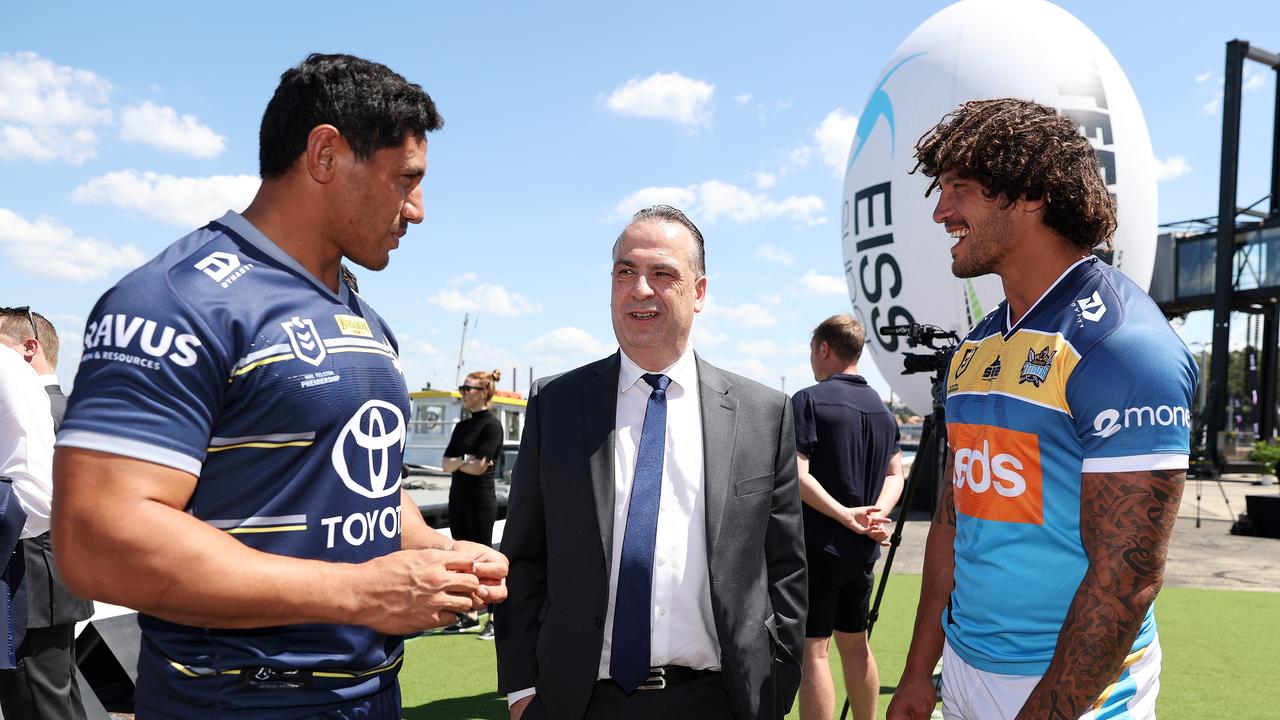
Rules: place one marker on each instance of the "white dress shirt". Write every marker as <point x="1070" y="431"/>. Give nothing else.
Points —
<point x="26" y="439"/>
<point x="682" y="629"/>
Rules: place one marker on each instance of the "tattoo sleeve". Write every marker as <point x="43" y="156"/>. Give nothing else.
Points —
<point x="946" y="511"/>
<point x="1125" y="523"/>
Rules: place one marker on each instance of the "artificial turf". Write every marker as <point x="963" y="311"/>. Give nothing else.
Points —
<point x="1221" y="657"/>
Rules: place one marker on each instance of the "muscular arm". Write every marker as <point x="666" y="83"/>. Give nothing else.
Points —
<point x="915" y="697"/>
<point x="122" y="536"/>
<point x="1126" y="520"/>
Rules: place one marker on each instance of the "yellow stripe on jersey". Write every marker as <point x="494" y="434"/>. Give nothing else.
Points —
<point x="258" y="364"/>
<point x="1130" y="660"/>
<point x="279" y="528"/>
<point x="267" y="445"/>
<point x="1031" y="365"/>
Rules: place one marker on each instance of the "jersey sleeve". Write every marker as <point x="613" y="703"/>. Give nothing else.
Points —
<point x="1130" y="399"/>
<point x="151" y="379"/>
<point x="805" y="423"/>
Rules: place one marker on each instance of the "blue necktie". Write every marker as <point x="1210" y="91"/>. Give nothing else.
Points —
<point x="629" y="654"/>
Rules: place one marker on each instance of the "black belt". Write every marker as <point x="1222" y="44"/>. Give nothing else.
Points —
<point x="660" y="677"/>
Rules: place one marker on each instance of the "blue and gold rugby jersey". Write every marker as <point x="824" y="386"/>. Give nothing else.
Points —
<point x="1092" y="379"/>
<point x="224" y="358"/>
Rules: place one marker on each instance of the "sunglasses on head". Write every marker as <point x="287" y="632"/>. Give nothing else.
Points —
<point x="25" y="309"/>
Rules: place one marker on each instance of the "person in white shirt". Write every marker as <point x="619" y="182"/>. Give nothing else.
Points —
<point x="653" y="528"/>
<point x="42" y="686"/>
<point x="26" y="425"/>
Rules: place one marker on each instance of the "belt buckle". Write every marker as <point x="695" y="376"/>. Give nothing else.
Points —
<point x="656" y="681"/>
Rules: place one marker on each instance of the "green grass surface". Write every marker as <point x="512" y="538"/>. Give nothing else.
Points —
<point x="1220" y="658"/>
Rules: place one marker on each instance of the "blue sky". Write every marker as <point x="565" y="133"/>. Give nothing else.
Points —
<point x="125" y="125"/>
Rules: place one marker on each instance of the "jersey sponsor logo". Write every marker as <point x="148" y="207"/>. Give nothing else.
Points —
<point x="1092" y="308"/>
<point x="305" y="340"/>
<point x="360" y="528"/>
<point x="992" y="371"/>
<point x="376" y="428"/>
<point x="1111" y="421"/>
<point x="125" y="332"/>
<point x="223" y="268"/>
<point x="965" y="360"/>
<point x="996" y="473"/>
<point x="1036" y="368"/>
<point x="353" y="325"/>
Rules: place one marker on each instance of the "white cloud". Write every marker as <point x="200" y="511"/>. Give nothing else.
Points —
<point x="775" y="254"/>
<point x="568" y="341"/>
<point x="46" y="248"/>
<point x="162" y="127"/>
<point x="185" y="201"/>
<point x="1253" y="81"/>
<point x="1202" y="78"/>
<point x="47" y="110"/>
<point x="742" y="99"/>
<point x="833" y="138"/>
<point x="746" y="367"/>
<point x="1211" y="107"/>
<point x="771" y="298"/>
<point x="765" y="180"/>
<point x="1171" y="167"/>
<point x="703" y="337"/>
<point x="668" y="96"/>
<point x="485" y="299"/>
<point x="564" y="349"/>
<point x="759" y="348"/>
<point x="818" y="284"/>
<point x="708" y="201"/>
<point x="463" y="279"/>
<point x="746" y="314"/>
<point x="646" y="197"/>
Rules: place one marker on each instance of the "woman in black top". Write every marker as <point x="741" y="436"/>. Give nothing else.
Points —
<point x="473" y="449"/>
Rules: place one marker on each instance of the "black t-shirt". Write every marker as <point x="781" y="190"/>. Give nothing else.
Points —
<point x="478" y="436"/>
<point x="849" y="436"/>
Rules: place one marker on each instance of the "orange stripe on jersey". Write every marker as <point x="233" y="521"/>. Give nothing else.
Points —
<point x="997" y="474"/>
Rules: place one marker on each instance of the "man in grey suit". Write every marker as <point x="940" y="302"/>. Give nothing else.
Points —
<point x="43" y="685"/>
<point x="653" y="530"/>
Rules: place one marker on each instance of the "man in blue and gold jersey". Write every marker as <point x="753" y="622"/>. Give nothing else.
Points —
<point x="1068" y="428"/>
<point x="230" y="460"/>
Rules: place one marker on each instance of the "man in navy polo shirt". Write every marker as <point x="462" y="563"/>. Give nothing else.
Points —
<point x="850" y="478"/>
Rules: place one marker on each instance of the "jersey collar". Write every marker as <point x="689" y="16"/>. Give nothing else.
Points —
<point x="252" y="235"/>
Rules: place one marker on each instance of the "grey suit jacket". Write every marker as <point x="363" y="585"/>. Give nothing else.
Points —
<point x="559" y="537"/>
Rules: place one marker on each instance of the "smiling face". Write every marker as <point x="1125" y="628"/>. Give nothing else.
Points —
<point x="982" y="229"/>
<point x="656" y="292"/>
<point x="382" y="196"/>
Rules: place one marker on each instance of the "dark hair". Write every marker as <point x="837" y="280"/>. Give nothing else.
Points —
<point x="488" y="381"/>
<point x="843" y="334"/>
<point x="372" y="106"/>
<point x="1022" y="149"/>
<point x="21" y="323"/>
<point x="666" y="213"/>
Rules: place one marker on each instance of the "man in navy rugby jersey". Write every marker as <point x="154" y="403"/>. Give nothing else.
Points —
<point x="230" y="460"/>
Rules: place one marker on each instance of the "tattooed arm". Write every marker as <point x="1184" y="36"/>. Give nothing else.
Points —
<point x="915" y="697"/>
<point x="1126" y="519"/>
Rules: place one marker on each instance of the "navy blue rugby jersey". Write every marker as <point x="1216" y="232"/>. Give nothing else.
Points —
<point x="224" y="358"/>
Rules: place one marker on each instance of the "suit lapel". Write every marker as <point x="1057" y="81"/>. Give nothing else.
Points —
<point x="719" y="425"/>
<point x="599" y="415"/>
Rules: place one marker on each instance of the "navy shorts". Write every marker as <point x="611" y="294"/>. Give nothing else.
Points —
<point x="839" y="594"/>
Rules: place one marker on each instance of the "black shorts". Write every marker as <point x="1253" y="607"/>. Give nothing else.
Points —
<point x="839" y="594"/>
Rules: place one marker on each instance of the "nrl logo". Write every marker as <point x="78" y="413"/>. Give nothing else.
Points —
<point x="964" y="361"/>
<point x="1036" y="368"/>
<point x="305" y="340"/>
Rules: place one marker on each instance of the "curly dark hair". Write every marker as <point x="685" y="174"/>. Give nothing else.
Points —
<point x="1022" y="149"/>
<point x="370" y="104"/>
